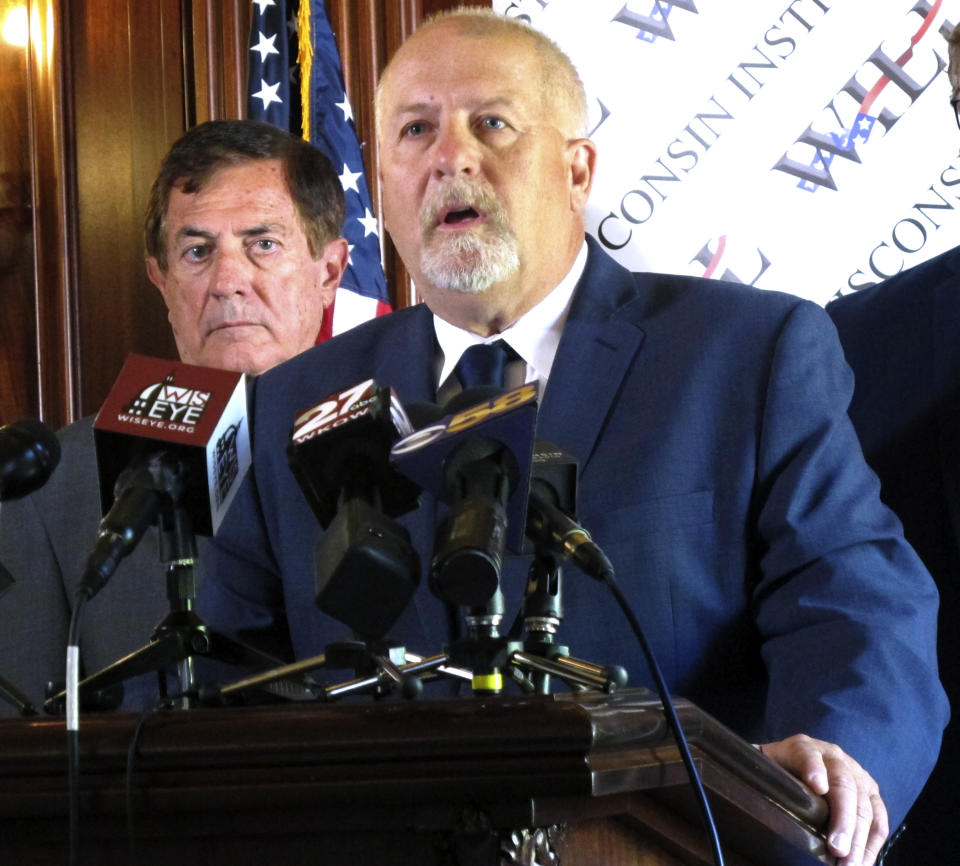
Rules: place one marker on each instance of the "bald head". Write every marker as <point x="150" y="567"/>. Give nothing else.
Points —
<point x="559" y="84"/>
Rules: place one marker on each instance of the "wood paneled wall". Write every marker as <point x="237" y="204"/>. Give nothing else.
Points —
<point x="110" y="85"/>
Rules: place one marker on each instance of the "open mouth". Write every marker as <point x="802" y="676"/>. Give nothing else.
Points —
<point x="460" y="215"/>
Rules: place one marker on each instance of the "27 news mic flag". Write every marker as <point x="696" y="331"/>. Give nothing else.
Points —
<point x="197" y="413"/>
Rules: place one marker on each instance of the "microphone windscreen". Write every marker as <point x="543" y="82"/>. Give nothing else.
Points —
<point x="508" y="418"/>
<point x="29" y="452"/>
<point x="342" y="444"/>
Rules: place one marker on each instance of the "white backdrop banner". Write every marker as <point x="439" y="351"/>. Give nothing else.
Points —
<point x="801" y="145"/>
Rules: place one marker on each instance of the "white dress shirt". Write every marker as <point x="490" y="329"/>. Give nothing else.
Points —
<point x="534" y="337"/>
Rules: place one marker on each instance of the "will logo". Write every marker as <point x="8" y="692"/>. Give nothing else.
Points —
<point x="655" y="25"/>
<point x="711" y="261"/>
<point x="846" y="136"/>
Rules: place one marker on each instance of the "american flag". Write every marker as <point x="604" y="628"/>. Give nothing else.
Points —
<point x="274" y="96"/>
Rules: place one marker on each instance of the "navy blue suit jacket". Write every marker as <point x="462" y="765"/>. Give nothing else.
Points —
<point x="720" y="474"/>
<point x="902" y="339"/>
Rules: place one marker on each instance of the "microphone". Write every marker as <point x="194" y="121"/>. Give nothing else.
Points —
<point x="169" y="437"/>
<point x="29" y="452"/>
<point x="365" y="568"/>
<point x="553" y="496"/>
<point x="341" y="448"/>
<point x="478" y="461"/>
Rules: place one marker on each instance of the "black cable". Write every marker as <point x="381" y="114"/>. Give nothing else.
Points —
<point x="132" y="751"/>
<point x="671" y="714"/>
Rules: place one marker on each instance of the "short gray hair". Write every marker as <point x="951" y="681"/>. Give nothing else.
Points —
<point x="563" y="92"/>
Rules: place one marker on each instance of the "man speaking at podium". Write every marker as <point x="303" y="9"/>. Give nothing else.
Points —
<point x="719" y="470"/>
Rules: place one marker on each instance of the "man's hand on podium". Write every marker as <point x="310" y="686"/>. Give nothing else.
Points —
<point x="858" y="816"/>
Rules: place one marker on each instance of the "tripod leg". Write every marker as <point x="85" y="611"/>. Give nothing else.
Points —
<point x="16" y="698"/>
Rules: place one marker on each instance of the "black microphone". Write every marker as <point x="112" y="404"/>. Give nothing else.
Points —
<point x="550" y="526"/>
<point x="140" y="494"/>
<point x="478" y="461"/>
<point x="170" y="437"/>
<point x="340" y="449"/>
<point x="29" y="452"/>
<point x="365" y="568"/>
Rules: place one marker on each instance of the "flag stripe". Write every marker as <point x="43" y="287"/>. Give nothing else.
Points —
<point x="317" y="101"/>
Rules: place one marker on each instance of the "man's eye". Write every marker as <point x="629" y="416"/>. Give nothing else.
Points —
<point x="197" y="253"/>
<point x="412" y="130"/>
<point x="493" y="123"/>
<point x="265" y="244"/>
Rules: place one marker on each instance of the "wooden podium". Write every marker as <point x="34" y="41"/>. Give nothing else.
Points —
<point x="459" y="781"/>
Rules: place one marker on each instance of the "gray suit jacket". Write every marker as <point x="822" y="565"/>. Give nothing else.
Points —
<point x="44" y="541"/>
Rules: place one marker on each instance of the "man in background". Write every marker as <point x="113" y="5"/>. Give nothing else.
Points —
<point x="242" y="236"/>
<point x="719" y="470"/>
<point x="902" y="338"/>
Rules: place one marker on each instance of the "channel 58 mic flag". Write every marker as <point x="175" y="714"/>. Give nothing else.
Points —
<point x="317" y="99"/>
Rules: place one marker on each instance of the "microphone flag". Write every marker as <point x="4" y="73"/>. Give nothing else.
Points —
<point x="197" y="413"/>
<point x="509" y="418"/>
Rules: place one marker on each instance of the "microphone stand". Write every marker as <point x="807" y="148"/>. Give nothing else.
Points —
<point x="16" y="698"/>
<point x="381" y="667"/>
<point x="363" y="555"/>
<point x="480" y="658"/>
<point x="541" y="657"/>
<point x="483" y="651"/>
<point x="182" y="634"/>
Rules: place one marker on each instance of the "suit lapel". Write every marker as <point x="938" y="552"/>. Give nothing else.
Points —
<point x="600" y="340"/>
<point x="405" y="356"/>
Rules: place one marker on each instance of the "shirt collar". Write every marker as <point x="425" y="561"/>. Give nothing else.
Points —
<point x="534" y="336"/>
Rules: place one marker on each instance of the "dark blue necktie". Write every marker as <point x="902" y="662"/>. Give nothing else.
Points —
<point x="484" y="365"/>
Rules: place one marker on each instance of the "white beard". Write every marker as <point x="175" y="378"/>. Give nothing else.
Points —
<point x="473" y="260"/>
<point x="469" y="263"/>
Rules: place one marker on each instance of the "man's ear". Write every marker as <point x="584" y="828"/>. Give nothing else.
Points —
<point x="333" y="262"/>
<point x="583" y="159"/>
<point x="156" y="275"/>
